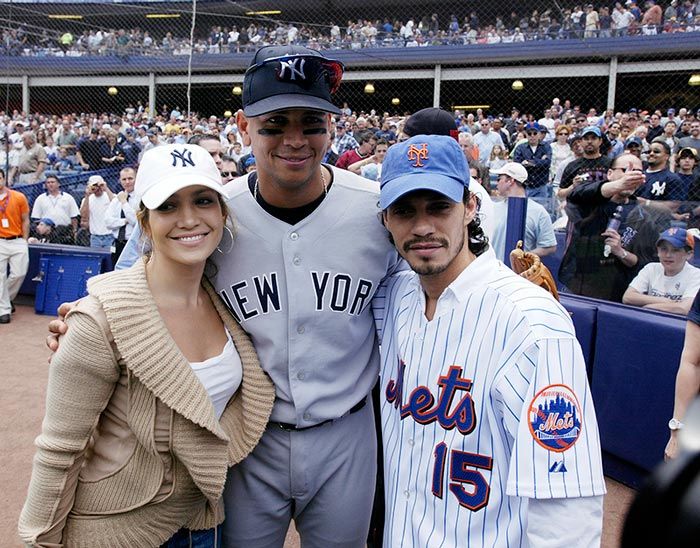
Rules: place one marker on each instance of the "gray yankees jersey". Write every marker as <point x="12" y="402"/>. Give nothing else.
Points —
<point x="303" y="293"/>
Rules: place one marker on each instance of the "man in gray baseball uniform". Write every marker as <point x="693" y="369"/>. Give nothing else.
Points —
<point x="309" y="255"/>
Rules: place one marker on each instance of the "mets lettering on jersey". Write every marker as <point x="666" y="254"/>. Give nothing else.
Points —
<point x="483" y="406"/>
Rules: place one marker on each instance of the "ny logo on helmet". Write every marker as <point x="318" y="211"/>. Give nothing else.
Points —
<point x="185" y="156"/>
<point x="290" y="69"/>
<point x="417" y="155"/>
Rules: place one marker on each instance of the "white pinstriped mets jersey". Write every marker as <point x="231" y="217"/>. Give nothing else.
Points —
<point x="483" y="407"/>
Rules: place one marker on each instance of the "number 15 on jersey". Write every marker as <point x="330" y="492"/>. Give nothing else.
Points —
<point x="461" y="476"/>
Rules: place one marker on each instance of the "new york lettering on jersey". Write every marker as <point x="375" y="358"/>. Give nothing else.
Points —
<point x="332" y="291"/>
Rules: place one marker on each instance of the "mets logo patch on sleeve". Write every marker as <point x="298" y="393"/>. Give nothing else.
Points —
<point x="555" y="418"/>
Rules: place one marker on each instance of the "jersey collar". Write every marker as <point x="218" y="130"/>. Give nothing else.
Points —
<point x="479" y="273"/>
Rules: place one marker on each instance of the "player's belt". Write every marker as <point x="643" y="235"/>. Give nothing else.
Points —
<point x="9" y="237"/>
<point x="287" y="427"/>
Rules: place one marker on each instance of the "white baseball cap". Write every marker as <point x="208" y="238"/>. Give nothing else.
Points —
<point x="95" y="180"/>
<point x="166" y="169"/>
<point x="513" y="169"/>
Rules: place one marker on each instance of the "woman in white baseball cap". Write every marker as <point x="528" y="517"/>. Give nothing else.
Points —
<point x="145" y="412"/>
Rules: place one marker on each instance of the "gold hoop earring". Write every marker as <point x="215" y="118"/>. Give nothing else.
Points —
<point x="230" y="247"/>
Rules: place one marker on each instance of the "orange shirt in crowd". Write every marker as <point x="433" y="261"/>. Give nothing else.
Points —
<point x="12" y="208"/>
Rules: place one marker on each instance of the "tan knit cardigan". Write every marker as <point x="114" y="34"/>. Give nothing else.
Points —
<point x="118" y="365"/>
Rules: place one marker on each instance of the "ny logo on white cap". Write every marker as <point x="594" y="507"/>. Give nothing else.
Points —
<point x="185" y="156"/>
<point x="295" y="67"/>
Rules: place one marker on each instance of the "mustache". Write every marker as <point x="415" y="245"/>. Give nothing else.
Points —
<point x="440" y="241"/>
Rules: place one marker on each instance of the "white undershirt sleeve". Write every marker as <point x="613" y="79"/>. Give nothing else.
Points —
<point x="579" y="522"/>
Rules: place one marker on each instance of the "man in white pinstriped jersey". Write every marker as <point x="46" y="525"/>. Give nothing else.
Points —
<point x="489" y="432"/>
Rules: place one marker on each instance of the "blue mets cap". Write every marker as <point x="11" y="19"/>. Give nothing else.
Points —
<point x="678" y="237"/>
<point x="424" y="162"/>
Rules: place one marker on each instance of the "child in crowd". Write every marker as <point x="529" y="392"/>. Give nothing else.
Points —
<point x="250" y="164"/>
<point x="43" y="233"/>
<point x="671" y="284"/>
<point x="51" y="150"/>
<point x="65" y="163"/>
<point x="497" y="159"/>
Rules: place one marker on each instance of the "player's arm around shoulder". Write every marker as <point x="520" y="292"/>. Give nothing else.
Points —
<point x="389" y="292"/>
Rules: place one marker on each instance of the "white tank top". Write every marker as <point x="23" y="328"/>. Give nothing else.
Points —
<point x="221" y="375"/>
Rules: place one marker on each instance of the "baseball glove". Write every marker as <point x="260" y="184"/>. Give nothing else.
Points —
<point x="530" y="267"/>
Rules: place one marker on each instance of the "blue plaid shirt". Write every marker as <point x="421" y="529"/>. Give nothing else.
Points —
<point x="344" y="143"/>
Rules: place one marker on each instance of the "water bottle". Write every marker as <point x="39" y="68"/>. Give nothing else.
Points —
<point x="614" y="223"/>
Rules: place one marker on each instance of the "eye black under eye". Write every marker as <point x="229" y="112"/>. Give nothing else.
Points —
<point x="269" y="131"/>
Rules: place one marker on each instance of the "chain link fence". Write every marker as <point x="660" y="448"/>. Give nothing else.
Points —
<point x="175" y="69"/>
<point x="114" y="56"/>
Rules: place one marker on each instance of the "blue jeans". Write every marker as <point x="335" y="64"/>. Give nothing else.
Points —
<point x="101" y="241"/>
<point x="185" y="538"/>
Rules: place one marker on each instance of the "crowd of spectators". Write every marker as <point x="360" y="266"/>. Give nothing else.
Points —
<point x="580" y="166"/>
<point x="584" y="21"/>
<point x="580" y="170"/>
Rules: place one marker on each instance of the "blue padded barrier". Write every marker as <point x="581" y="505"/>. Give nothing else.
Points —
<point x="584" y="314"/>
<point x="37" y="250"/>
<point x="63" y="278"/>
<point x="637" y="353"/>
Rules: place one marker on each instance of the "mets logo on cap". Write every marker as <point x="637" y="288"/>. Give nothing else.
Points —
<point x="417" y="154"/>
<point x="555" y="418"/>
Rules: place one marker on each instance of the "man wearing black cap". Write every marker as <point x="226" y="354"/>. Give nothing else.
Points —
<point x="309" y="255"/>
<point x="512" y="122"/>
<point x="592" y="167"/>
